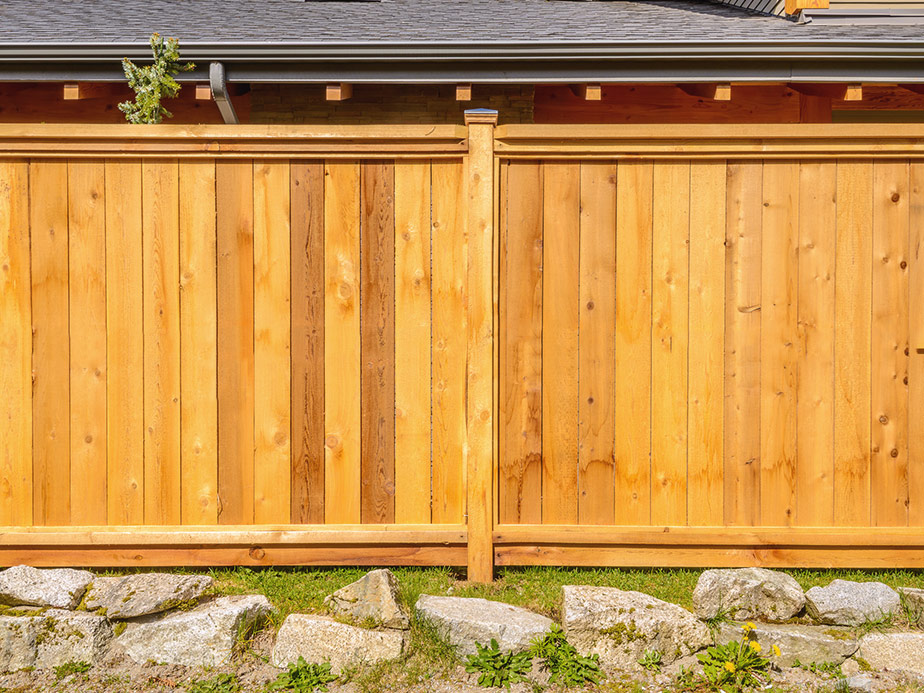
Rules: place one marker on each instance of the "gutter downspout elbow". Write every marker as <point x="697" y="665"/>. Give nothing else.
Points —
<point x="219" y="87"/>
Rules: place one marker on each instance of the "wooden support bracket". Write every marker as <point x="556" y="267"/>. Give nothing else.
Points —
<point x="713" y="92"/>
<point x="588" y="92"/>
<point x="203" y="92"/>
<point x="796" y="6"/>
<point x="71" y="92"/>
<point x="463" y="92"/>
<point x="339" y="92"/>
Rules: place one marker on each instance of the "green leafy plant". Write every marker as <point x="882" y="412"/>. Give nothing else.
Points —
<point x="223" y="683"/>
<point x="304" y="677"/>
<point x="827" y="669"/>
<point x="152" y="83"/>
<point x="496" y="668"/>
<point x="69" y="668"/>
<point x="562" y="660"/>
<point x="651" y="660"/>
<point x="735" y="666"/>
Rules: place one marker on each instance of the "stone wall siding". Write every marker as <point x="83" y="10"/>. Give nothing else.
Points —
<point x="305" y="104"/>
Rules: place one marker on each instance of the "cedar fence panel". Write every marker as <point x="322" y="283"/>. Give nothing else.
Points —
<point x="523" y="345"/>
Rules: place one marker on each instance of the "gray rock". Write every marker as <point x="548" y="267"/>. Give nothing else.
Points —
<point x="17" y="643"/>
<point x="913" y="599"/>
<point x="463" y="622"/>
<point x="61" y="588"/>
<point x="374" y="597"/>
<point x="748" y="593"/>
<point x="845" y="603"/>
<point x="805" y="644"/>
<point x="620" y="626"/>
<point x="860" y="683"/>
<point x="319" y="639"/>
<point x="204" y="636"/>
<point x="147" y="593"/>
<point x="70" y="636"/>
<point x="894" y="651"/>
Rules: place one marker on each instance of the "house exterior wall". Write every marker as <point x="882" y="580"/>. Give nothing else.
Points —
<point x="378" y="103"/>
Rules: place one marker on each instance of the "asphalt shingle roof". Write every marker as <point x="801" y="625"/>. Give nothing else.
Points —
<point x="430" y="21"/>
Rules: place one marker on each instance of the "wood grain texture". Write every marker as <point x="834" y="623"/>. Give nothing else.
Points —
<point x="86" y="182"/>
<point x="815" y="410"/>
<point x="50" y="343"/>
<point x="779" y="339"/>
<point x="561" y="283"/>
<point x="377" y="319"/>
<point x="670" y="342"/>
<point x="124" y="343"/>
<point x="234" y="220"/>
<point x="521" y="448"/>
<point x="161" y="238"/>
<point x="705" y="399"/>
<point x="15" y="347"/>
<point x="307" y="254"/>
<point x="596" y="396"/>
<point x="342" y="356"/>
<point x="198" y="344"/>
<point x="742" y="343"/>
<point x="916" y="339"/>
<point x="412" y="341"/>
<point x="889" y="454"/>
<point x="448" y="342"/>
<point x="852" y="356"/>
<point x="633" y="343"/>
<point x="272" y="315"/>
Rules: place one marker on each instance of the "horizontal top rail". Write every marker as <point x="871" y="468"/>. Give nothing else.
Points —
<point x="150" y="535"/>
<point x="815" y="141"/>
<point x="232" y="141"/>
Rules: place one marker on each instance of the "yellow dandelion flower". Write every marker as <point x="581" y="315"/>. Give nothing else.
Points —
<point x="730" y="666"/>
<point x="755" y="646"/>
<point x="748" y="627"/>
<point x="776" y="650"/>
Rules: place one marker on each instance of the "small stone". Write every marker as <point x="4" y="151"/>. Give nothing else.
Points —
<point x="17" y="643"/>
<point x="146" y="593"/>
<point x="845" y="603"/>
<point x="805" y="644"/>
<point x="621" y="626"/>
<point x="850" y="667"/>
<point x="60" y="588"/>
<point x="203" y="637"/>
<point x="859" y="684"/>
<point x="465" y="621"/>
<point x="319" y="639"/>
<point x="894" y="651"/>
<point x="70" y="636"/>
<point x="374" y="597"/>
<point x="748" y="593"/>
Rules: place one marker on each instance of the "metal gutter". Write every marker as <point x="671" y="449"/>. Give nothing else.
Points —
<point x="522" y="62"/>
<point x="219" y="88"/>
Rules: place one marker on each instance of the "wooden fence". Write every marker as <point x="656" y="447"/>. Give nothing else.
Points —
<point x="446" y="345"/>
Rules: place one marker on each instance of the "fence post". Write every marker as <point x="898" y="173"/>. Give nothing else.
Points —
<point x="479" y="438"/>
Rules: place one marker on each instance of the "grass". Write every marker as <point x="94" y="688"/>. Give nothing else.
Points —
<point x="539" y="588"/>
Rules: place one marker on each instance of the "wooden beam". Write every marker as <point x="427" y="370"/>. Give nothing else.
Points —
<point x="71" y="92"/>
<point x="794" y="6"/>
<point x="713" y="92"/>
<point x="463" y="92"/>
<point x="814" y="109"/>
<point x="916" y="88"/>
<point x="203" y="92"/>
<point x="588" y="92"/>
<point x="339" y="92"/>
